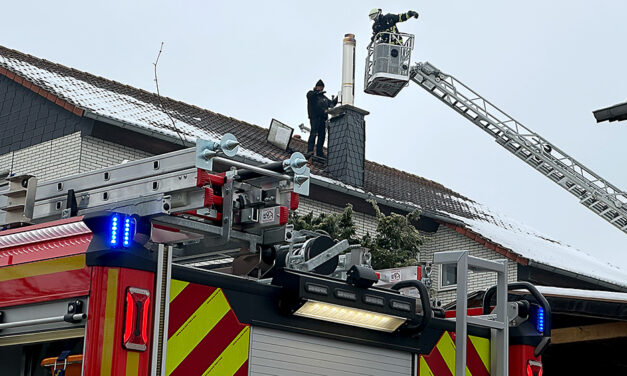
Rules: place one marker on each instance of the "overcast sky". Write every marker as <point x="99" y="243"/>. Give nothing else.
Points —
<point x="549" y="64"/>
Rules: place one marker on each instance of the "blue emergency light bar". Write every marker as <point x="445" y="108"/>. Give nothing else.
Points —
<point x="540" y="320"/>
<point x="121" y="231"/>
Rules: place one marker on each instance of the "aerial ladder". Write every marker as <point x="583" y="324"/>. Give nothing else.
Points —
<point x="388" y="71"/>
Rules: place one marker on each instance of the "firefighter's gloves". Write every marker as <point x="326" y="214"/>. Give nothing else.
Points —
<point x="411" y="13"/>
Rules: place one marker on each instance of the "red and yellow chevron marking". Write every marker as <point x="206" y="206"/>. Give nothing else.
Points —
<point x="441" y="360"/>
<point x="204" y="335"/>
<point x="46" y="280"/>
<point x="104" y="354"/>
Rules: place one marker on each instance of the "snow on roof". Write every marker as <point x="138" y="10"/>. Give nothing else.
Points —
<point x="541" y="249"/>
<point x="104" y="102"/>
<point x="115" y="106"/>
<point x="583" y="294"/>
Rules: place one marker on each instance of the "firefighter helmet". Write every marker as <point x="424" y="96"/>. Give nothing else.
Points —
<point x="374" y="13"/>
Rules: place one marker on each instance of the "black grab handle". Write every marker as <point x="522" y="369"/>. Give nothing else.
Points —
<point x="424" y="300"/>
<point x="534" y="292"/>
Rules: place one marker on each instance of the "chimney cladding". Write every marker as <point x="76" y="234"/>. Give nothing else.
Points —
<point x="346" y="150"/>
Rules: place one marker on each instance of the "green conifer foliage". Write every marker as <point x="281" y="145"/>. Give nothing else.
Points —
<point x="395" y="244"/>
<point x="397" y="241"/>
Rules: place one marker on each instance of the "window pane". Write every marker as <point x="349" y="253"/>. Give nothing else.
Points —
<point x="449" y="275"/>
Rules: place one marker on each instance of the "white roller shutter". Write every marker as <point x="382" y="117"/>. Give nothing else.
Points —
<point x="280" y="353"/>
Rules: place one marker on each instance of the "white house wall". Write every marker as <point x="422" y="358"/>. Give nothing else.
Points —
<point x="97" y="154"/>
<point x="68" y="155"/>
<point x="446" y="239"/>
<point x="47" y="160"/>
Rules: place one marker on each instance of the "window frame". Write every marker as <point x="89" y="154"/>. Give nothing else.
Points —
<point x="441" y="286"/>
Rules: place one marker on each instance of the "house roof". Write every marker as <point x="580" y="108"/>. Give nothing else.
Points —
<point x="616" y="112"/>
<point x="110" y="101"/>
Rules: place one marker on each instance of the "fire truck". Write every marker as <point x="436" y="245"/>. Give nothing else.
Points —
<point x="185" y="264"/>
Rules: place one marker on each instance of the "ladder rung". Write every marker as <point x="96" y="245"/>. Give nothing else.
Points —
<point x="594" y="201"/>
<point x="12" y="207"/>
<point x="15" y="193"/>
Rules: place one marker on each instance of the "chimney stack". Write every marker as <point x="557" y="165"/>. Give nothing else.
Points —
<point x="346" y="148"/>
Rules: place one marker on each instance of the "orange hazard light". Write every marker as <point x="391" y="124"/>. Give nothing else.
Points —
<point x="136" y="316"/>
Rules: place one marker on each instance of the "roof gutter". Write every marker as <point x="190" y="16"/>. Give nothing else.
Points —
<point x="105" y="119"/>
<point x="578" y="276"/>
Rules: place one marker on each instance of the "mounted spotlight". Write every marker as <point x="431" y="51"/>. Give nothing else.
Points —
<point x="280" y="134"/>
<point x="322" y="298"/>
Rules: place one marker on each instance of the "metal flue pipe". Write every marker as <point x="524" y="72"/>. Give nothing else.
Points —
<point x="348" y="69"/>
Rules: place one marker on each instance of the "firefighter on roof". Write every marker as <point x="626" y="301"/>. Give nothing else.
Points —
<point x="387" y="24"/>
<point x="317" y="106"/>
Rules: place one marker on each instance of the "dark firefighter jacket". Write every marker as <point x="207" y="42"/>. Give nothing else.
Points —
<point x="318" y="103"/>
<point x="387" y="24"/>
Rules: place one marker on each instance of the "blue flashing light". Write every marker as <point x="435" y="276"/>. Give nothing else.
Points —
<point x="540" y="320"/>
<point x="115" y="230"/>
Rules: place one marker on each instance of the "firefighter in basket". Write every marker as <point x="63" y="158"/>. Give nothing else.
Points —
<point x="387" y="24"/>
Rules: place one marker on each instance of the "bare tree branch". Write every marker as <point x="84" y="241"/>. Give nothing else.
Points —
<point x="161" y="101"/>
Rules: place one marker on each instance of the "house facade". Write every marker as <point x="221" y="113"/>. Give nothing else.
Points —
<point x="56" y="121"/>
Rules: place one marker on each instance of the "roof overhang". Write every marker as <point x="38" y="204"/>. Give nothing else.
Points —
<point x="578" y="276"/>
<point x="590" y="303"/>
<point x="616" y="112"/>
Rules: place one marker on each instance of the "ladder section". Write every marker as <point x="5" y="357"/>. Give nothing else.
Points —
<point x="592" y="191"/>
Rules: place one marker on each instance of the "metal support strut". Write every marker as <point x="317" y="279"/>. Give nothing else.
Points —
<point x="499" y="325"/>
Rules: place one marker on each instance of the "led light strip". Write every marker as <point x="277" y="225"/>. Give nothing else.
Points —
<point x="350" y="316"/>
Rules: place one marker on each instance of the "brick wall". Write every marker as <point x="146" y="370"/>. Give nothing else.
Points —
<point x="28" y="119"/>
<point x="97" y="154"/>
<point x="46" y="160"/>
<point x="446" y="239"/>
<point x="67" y="155"/>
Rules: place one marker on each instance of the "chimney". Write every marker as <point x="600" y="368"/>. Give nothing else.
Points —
<point x="346" y="148"/>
